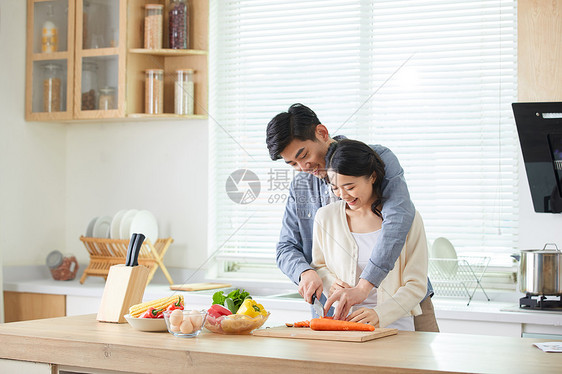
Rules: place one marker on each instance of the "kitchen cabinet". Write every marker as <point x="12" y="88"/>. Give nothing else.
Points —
<point x="93" y="67"/>
<point x="23" y="306"/>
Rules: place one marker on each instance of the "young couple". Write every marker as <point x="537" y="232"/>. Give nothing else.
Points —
<point x="349" y="227"/>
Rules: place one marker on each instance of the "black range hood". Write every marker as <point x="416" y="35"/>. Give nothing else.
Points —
<point x="539" y="126"/>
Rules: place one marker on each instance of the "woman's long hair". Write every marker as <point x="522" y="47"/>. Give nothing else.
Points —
<point x="357" y="159"/>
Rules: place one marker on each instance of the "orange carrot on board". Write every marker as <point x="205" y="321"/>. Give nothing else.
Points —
<point x="302" y="324"/>
<point x="326" y="324"/>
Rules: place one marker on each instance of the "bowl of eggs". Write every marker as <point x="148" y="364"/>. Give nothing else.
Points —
<point x="185" y="323"/>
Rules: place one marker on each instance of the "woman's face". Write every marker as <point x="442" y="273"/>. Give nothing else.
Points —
<point x="357" y="192"/>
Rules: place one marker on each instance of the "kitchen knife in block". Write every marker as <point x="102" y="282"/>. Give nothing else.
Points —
<point x="124" y="288"/>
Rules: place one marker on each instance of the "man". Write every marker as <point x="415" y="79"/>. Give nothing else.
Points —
<point x="298" y="137"/>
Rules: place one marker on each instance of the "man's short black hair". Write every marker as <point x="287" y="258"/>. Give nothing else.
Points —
<point x="299" y="122"/>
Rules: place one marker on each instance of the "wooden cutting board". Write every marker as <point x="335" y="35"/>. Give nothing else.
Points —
<point x="198" y="286"/>
<point x="307" y="333"/>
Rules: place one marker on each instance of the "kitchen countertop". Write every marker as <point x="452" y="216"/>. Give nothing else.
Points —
<point x="38" y="280"/>
<point x="81" y="341"/>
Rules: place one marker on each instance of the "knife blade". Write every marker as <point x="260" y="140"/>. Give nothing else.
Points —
<point x="317" y="305"/>
<point x="136" y="250"/>
<point x="130" y="250"/>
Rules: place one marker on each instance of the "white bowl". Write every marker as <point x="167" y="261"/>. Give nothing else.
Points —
<point x="146" y="324"/>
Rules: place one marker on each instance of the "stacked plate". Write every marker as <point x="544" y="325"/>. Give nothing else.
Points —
<point x="124" y="224"/>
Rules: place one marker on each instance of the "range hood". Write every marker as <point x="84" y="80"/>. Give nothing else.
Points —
<point x="539" y="126"/>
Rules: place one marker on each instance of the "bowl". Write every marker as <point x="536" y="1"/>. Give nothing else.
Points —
<point x="185" y="323"/>
<point x="146" y="324"/>
<point x="235" y="323"/>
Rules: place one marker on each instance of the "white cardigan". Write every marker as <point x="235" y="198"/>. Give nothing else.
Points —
<point x="335" y="253"/>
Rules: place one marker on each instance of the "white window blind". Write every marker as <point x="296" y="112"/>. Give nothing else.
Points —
<point x="431" y="80"/>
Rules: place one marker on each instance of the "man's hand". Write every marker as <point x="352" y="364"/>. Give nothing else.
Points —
<point x="347" y="297"/>
<point x="309" y="285"/>
<point x="365" y="315"/>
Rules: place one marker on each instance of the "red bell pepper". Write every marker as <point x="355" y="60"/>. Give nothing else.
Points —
<point x="153" y="313"/>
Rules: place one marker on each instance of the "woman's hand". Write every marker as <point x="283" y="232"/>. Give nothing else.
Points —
<point x="364" y="315"/>
<point x="337" y="285"/>
<point x="347" y="297"/>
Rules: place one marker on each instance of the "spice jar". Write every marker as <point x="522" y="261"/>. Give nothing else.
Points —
<point x="89" y="85"/>
<point x="62" y="267"/>
<point x="49" y="32"/>
<point x="184" y="90"/>
<point x="153" y="26"/>
<point x="52" y="88"/>
<point x="107" y="98"/>
<point x="178" y="24"/>
<point x="154" y="91"/>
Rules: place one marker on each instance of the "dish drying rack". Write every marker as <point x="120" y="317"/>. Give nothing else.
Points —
<point x="104" y="253"/>
<point x="459" y="277"/>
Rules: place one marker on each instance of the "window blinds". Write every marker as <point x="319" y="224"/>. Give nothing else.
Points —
<point x="431" y="80"/>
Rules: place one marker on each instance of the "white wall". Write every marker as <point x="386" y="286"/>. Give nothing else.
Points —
<point x="55" y="178"/>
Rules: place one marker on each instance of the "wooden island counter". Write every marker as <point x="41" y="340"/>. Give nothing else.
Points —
<point x="68" y="343"/>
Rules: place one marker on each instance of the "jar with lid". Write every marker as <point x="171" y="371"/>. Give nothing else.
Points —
<point x="62" y="267"/>
<point x="49" y="32"/>
<point x="107" y="98"/>
<point x="153" y="23"/>
<point x="89" y="85"/>
<point x="178" y="24"/>
<point x="154" y="91"/>
<point x="52" y="88"/>
<point x="184" y="91"/>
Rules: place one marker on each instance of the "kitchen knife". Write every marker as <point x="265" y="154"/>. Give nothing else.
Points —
<point x="130" y="250"/>
<point x="136" y="250"/>
<point x="317" y="305"/>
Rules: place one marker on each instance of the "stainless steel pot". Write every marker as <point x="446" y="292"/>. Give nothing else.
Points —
<point x="540" y="271"/>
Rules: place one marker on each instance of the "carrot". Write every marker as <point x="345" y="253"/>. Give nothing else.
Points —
<point x="302" y="324"/>
<point x="327" y="324"/>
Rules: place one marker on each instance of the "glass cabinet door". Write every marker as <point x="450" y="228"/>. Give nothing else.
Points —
<point x="100" y="52"/>
<point x="49" y="59"/>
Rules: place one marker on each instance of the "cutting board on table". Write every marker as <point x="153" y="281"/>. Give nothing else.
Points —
<point x="198" y="286"/>
<point x="307" y="333"/>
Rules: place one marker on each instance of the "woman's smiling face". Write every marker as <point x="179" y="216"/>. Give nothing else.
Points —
<point x="357" y="192"/>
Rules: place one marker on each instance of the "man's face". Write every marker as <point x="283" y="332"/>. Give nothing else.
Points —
<point x="309" y="155"/>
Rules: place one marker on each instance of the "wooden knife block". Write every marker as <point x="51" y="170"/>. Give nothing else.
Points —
<point x="124" y="288"/>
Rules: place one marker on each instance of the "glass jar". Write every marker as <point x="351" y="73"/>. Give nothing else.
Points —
<point x="178" y="24"/>
<point x="107" y="98"/>
<point x="153" y="26"/>
<point x="154" y="91"/>
<point x="52" y="88"/>
<point x="184" y="90"/>
<point x="89" y="85"/>
<point x="49" y="32"/>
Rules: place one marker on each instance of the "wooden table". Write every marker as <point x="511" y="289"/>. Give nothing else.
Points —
<point x="81" y="341"/>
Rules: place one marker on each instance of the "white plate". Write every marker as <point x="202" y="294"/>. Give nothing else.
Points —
<point x="147" y="324"/>
<point x="90" y="228"/>
<point x="145" y="223"/>
<point x="442" y="248"/>
<point x="126" y="224"/>
<point x="101" y="227"/>
<point x="115" y="223"/>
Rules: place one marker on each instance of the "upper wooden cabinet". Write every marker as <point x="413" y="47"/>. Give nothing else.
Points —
<point x="86" y="60"/>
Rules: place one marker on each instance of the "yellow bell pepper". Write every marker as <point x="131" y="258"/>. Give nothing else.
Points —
<point x="251" y="309"/>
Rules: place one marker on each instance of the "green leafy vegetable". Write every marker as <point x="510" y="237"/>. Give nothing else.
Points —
<point x="233" y="300"/>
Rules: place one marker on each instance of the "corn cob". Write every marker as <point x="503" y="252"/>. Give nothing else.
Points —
<point x="163" y="303"/>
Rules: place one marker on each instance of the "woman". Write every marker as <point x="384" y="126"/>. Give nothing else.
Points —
<point x="345" y="232"/>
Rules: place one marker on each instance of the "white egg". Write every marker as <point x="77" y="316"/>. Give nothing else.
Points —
<point x="186" y="326"/>
<point x="196" y="319"/>
<point x="174" y="328"/>
<point x="176" y="317"/>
